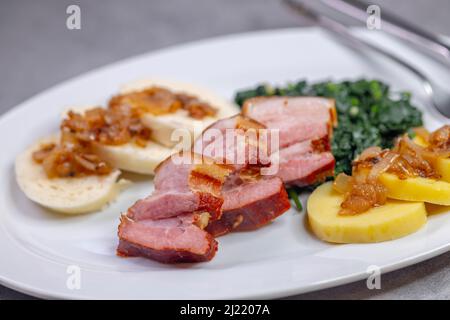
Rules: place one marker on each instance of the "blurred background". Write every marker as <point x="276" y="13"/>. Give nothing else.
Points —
<point x="38" y="51"/>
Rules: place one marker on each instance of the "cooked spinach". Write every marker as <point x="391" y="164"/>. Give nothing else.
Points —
<point x="293" y="194"/>
<point x="369" y="113"/>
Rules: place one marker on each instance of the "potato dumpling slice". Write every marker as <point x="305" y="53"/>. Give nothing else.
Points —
<point x="393" y="220"/>
<point x="442" y="165"/>
<point x="417" y="189"/>
<point x="433" y="209"/>
<point x="420" y="141"/>
<point x="443" y="168"/>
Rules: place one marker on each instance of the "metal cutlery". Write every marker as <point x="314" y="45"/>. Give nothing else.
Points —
<point x="395" y="25"/>
<point x="438" y="97"/>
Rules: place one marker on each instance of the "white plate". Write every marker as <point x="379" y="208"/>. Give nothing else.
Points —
<point x="279" y="260"/>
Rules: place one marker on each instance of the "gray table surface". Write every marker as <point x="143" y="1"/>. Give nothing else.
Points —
<point x="38" y="51"/>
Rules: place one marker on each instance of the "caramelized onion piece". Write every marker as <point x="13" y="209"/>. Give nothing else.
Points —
<point x="45" y="149"/>
<point x="73" y="155"/>
<point x="440" y="140"/>
<point x="118" y="124"/>
<point x="363" y="191"/>
<point x="383" y="165"/>
<point x="370" y="153"/>
<point x="196" y="108"/>
<point x="112" y="126"/>
<point x="68" y="160"/>
<point x="415" y="161"/>
<point x="359" y="196"/>
<point x="343" y="183"/>
<point x="362" y="197"/>
<point x="158" y="101"/>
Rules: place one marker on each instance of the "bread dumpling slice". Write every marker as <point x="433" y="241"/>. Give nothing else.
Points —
<point x="134" y="158"/>
<point x="74" y="195"/>
<point x="164" y="125"/>
<point x="129" y="156"/>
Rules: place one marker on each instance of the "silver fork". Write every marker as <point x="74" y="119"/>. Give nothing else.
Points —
<point x="423" y="40"/>
<point x="438" y="97"/>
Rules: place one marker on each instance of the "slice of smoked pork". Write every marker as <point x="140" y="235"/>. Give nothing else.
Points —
<point x="306" y="163"/>
<point x="305" y="127"/>
<point x="249" y="205"/>
<point x="250" y="201"/>
<point x="183" y="184"/>
<point x="234" y="141"/>
<point x="171" y="240"/>
<point x="167" y="226"/>
<point x="297" y="118"/>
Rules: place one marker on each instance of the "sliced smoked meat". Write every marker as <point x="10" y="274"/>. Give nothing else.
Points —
<point x="171" y="240"/>
<point x="234" y="141"/>
<point x="305" y="127"/>
<point x="183" y="184"/>
<point x="306" y="162"/>
<point x="223" y="189"/>
<point x="297" y="118"/>
<point x="250" y="204"/>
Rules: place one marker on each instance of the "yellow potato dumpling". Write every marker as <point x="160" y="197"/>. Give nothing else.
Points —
<point x="420" y="141"/>
<point x="393" y="220"/>
<point x="417" y="189"/>
<point x="443" y="168"/>
<point x="442" y="165"/>
<point x="433" y="209"/>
